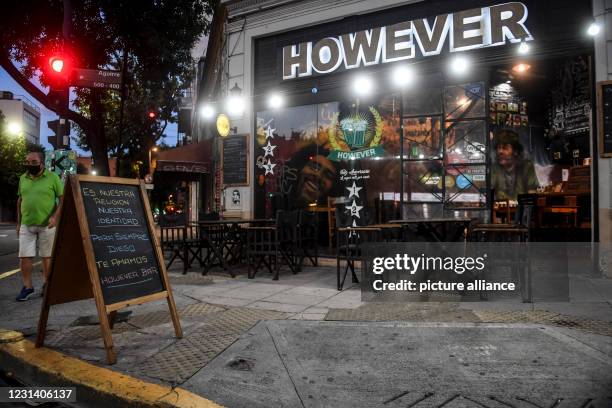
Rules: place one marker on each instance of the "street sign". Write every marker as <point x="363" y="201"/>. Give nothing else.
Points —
<point x="61" y="162"/>
<point x="96" y="78"/>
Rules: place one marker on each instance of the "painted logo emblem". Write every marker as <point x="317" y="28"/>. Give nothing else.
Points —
<point x="356" y="136"/>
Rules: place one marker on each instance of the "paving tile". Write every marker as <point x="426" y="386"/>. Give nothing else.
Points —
<point x="256" y="291"/>
<point x="308" y="316"/>
<point x="226" y="301"/>
<point x="294" y="299"/>
<point x="280" y="307"/>
<point x="312" y="291"/>
<point x="317" y="309"/>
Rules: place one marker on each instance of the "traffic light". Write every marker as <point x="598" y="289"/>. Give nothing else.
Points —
<point x="59" y="67"/>
<point x="61" y="128"/>
<point x="152" y="114"/>
<point x="57" y="64"/>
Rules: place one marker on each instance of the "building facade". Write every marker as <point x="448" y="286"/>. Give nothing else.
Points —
<point x="418" y="108"/>
<point x="22" y="113"/>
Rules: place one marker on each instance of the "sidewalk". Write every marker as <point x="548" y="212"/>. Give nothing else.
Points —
<point x="220" y="317"/>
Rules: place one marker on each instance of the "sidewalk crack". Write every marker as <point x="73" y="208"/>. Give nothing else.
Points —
<point x="284" y="365"/>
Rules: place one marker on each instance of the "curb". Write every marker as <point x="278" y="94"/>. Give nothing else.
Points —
<point x="96" y="386"/>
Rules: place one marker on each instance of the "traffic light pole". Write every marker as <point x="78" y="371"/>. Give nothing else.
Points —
<point x="123" y="76"/>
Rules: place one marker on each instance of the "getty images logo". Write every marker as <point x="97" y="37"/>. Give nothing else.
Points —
<point x="413" y="264"/>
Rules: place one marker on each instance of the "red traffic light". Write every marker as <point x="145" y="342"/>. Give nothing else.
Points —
<point x="57" y="64"/>
<point x="152" y="115"/>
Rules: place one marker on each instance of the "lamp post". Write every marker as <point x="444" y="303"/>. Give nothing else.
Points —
<point x="153" y="149"/>
<point x="14" y="129"/>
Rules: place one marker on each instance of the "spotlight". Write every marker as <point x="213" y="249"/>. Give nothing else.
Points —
<point x="275" y="101"/>
<point x="403" y="76"/>
<point x="593" y="29"/>
<point x="362" y="85"/>
<point x="459" y="65"/>
<point x="207" y="111"/>
<point x="523" y="48"/>
<point x="235" y="105"/>
<point x="521" y="68"/>
<point x="94" y="172"/>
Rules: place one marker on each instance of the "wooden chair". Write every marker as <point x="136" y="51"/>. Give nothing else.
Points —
<point x="183" y="243"/>
<point x="267" y="245"/>
<point x="307" y="238"/>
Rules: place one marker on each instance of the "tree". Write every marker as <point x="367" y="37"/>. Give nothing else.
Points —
<point x="150" y="41"/>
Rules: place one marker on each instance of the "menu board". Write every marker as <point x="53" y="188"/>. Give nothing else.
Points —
<point x="235" y="158"/>
<point x="570" y="108"/>
<point x="123" y="249"/>
<point x="605" y="118"/>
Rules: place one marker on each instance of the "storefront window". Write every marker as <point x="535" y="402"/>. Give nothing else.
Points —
<point x="422" y="138"/>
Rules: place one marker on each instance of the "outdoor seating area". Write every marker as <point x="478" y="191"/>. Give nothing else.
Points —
<point x="290" y="242"/>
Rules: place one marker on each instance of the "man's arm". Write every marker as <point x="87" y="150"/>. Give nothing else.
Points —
<point x="55" y="216"/>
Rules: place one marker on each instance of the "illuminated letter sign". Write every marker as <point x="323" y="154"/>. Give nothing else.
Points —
<point x="463" y="30"/>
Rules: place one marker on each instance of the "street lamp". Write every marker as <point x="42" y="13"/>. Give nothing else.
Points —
<point x="153" y="149"/>
<point x="235" y="102"/>
<point x="14" y="128"/>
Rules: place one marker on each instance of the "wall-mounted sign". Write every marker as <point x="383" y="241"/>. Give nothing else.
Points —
<point x="463" y="30"/>
<point x="223" y="125"/>
<point x="356" y="136"/>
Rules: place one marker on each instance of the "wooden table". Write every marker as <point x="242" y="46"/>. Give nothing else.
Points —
<point x="437" y="229"/>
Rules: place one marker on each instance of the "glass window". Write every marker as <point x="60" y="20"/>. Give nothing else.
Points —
<point x="466" y="142"/>
<point x="425" y="101"/>
<point x="422" y="138"/>
<point x="423" y="181"/>
<point x="464" y="101"/>
<point x="466" y="186"/>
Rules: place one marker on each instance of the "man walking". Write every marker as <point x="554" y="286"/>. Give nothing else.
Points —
<point x="38" y="205"/>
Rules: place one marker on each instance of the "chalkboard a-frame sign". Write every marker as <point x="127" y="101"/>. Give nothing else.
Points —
<point x="106" y="248"/>
<point x="604" y="117"/>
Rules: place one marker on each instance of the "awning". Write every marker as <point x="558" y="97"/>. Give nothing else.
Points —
<point x="191" y="158"/>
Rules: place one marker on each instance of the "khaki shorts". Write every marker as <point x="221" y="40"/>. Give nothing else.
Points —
<point x="32" y="236"/>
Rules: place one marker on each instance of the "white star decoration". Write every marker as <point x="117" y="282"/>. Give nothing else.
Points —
<point x="354" y="190"/>
<point x="269" y="132"/>
<point x="354" y="208"/>
<point x="269" y="149"/>
<point x="269" y="168"/>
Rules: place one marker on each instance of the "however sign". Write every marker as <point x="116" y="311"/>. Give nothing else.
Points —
<point x="463" y="30"/>
<point x="106" y="248"/>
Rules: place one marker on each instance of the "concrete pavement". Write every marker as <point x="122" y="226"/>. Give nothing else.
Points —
<point x="268" y="335"/>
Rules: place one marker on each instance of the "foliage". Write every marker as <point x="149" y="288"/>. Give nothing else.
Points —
<point x="154" y="37"/>
<point x="13" y="151"/>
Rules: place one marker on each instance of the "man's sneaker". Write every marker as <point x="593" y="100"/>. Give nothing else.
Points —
<point x="25" y="294"/>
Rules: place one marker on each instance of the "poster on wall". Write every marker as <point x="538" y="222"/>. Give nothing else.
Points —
<point x="314" y="155"/>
